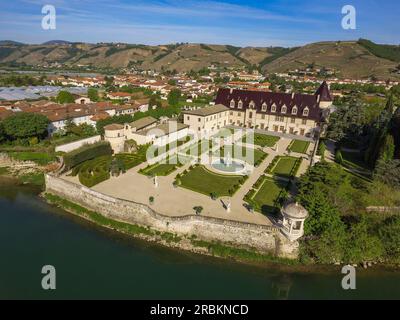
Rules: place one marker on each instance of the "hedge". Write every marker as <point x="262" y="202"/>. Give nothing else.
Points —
<point x="95" y="171"/>
<point x="86" y="152"/>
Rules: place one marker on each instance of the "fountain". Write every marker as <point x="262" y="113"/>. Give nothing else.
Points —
<point x="228" y="159"/>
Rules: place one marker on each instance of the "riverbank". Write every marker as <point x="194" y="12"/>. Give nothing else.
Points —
<point x="211" y="249"/>
<point x="168" y="239"/>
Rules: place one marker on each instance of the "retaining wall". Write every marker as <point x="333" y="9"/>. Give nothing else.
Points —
<point x="266" y="239"/>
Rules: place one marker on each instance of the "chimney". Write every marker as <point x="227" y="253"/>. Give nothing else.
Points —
<point x="318" y="98"/>
<point x="231" y="91"/>
<point x="292" y="95"/>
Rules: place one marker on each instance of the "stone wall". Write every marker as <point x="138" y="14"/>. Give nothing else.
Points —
<point x="77" y="144"/>
<point x="266" y="239"/>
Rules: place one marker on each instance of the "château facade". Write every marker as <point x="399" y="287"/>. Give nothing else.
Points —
<point x="292" y="113"/>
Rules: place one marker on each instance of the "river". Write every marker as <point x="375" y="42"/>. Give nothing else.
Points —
<point x="92" y="263"/>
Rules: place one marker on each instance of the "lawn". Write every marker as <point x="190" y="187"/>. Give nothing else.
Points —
<point x="198" y="149"/>
<point x="241" y="153"/>
<point x="40" y="158"/>
<point x="285" y="166"/>
<point x="263" y="140"/>
<point x="172" y="145"/>
<point x="299" y="146"/>
<point x="201" y="180"/>
<point x="265" y="198"/>
<point x="163" y="169"/>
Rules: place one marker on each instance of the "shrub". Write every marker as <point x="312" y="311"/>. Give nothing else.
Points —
<point x="86" y="152"/>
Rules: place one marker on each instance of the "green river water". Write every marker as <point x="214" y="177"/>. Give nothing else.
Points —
<point x="92" y="262"/>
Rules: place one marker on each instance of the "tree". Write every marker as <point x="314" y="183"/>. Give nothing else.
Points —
<point x="173" y="97"/>
<point x="172" y="82"/>
<point x="65" y="97"/>
<point x="339" y="157"/>
<point x="2" y="133"/>
<point x="388" y="172"/>
<point x="363" y="244"/>
<point x="93" y="94"/>
<point x="389" y="233"/>
<point x="388" y="148"/>
<point x="198" y="209"/>
<point x="26" y="125"/>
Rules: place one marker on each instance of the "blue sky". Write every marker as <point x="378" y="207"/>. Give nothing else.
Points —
<point x="243" y="23"/>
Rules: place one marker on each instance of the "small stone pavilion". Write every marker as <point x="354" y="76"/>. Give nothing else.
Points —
<point x="294" y="216"/>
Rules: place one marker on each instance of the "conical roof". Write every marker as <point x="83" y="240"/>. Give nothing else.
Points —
<point x="323" y="92"/>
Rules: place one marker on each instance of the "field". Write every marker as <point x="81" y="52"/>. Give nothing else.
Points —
<point x="201" y="180"/>
<point x="299" y="146"/>
<point x="263" y="140"/>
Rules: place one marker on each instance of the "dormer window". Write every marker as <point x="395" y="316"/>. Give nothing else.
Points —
<point x="306" y="112"/>
<point x="273" y="108"/>
<point x="264" y="107"/>
<point x="240" y="104"/>
<point x="252" y="105"/>
<point x="284" y="109"/>
<point x="232" y="105"/>
<point x="294" y="110"/>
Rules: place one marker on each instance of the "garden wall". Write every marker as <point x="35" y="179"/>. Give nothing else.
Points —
<point x="77" y="144"/>
<point x="266" y="239"/>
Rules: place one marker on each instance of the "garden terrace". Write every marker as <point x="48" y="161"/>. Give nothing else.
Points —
<point x="267" y="195"/>
<point x="262" y="140"/>
<point x="201" y="180"/>
<point x="284" y="166"/>
<point x="299" y="146"/>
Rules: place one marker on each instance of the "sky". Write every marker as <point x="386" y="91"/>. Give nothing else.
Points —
<point x="242" y="23"/>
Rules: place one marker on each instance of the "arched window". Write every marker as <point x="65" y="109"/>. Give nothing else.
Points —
<point x="273" y="108"/>
<point x="264" y="107"/>
<point x="294" y="110"/>
<point x="240" y="104"/>
<point x="252" y="105"/>
<point x="306" y="112"/>
<point x="284" y="109"/>
<point x="232" y="103"/>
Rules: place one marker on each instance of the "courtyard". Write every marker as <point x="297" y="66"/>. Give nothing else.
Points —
<point x="200" y="186"/>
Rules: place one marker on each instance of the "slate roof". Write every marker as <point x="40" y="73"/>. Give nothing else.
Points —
<point x="324" y="92"/>
<point x="270" y="99"/>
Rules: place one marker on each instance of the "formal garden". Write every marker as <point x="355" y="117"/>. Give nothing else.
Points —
<point x="298" y="146"/>
<point x="244" y="153"/>
<point x="284" y="166"/>
<point x="267" y="195"/>
<point x="95" y="163"/>
<point x="262" y="140"/>
<point x="199" y="179"/>
<point x="164" y="168"/>
<point x="200" y="147"/>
